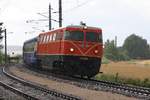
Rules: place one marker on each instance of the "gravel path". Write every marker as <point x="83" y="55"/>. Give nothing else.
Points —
<point x="68" y="88"/>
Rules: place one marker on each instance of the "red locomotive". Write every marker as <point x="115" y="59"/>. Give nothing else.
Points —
<point x="75" y="50"/>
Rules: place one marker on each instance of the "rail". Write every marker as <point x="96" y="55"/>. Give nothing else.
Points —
<point x="51" y="92"/>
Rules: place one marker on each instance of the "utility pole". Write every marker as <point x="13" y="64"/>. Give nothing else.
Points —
<point x="116" y="41"/>
<point x="60" y="13"/>
<point x="1" y="37"/>
<point x="5" y="46"/>
<point x="50" y="22"/>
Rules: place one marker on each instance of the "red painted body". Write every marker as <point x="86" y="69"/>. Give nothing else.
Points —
<point x="62" y="47"/>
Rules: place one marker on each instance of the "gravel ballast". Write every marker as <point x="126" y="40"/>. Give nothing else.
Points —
<point x="68" y="88"/>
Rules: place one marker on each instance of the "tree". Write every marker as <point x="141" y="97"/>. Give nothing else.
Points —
<point x="110" y="50"/>
<point x="136" y="47"/>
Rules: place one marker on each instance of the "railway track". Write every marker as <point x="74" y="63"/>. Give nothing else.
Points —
<point x="31" y="91"/>
<point x="18" y="91"/>
<point x="132" y="91"/>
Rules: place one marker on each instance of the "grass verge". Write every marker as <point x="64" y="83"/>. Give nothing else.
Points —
<point x="129" y="81"/>
<point x="105" y="60"/>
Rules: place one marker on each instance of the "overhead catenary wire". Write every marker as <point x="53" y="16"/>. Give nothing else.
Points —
<point x="75" y="7"/>
<point x="78" y="6"/>
<point x="64" y="11"/>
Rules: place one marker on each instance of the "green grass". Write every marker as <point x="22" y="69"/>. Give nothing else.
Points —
<point x="132" y="61"/>
<point x="129" y="81"/>
<point x="105" y="60"/>
<point x="146" y="64"/>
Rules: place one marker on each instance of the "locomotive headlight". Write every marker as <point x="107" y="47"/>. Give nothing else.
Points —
<point x="71" y="49"/>
<point x="96" y="51"/>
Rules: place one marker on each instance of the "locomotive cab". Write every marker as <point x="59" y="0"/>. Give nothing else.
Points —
<point x="82" y="50"/>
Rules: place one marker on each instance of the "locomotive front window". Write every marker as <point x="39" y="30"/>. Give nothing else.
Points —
<point x="74" y="35"/>
<point x="93" y="37"/>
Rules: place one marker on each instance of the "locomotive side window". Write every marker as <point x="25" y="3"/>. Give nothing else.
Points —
<point x="47" y="39"/>
<point x="54" y="36"/>
<point x="74" y="35"/>
<point x="50" y="39"/>
<point x="58" y="36"/>
<point x="39" y="39"/>
<point x="42" y="39"/>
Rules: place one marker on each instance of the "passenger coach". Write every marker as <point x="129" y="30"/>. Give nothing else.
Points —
<point x="74" y="50"/>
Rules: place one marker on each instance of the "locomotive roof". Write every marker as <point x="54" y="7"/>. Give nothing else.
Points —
<point x="73" y="26"/>
<point x="81" y="26"/>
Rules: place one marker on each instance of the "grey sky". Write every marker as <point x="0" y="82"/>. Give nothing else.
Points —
<point x="116" y="17"/>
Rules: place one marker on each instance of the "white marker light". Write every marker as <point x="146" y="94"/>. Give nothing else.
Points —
<point x="71" y="49"/>
<point x="96" y="51"/>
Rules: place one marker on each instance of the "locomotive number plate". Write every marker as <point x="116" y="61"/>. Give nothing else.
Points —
<point x="83" y="58"/>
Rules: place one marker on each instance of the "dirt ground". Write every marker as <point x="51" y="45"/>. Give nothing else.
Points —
<point x="130" y="69"/>
<point x="70" y="89"/>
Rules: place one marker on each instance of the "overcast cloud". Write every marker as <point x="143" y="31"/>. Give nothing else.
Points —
<point x="116" y="17"/>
